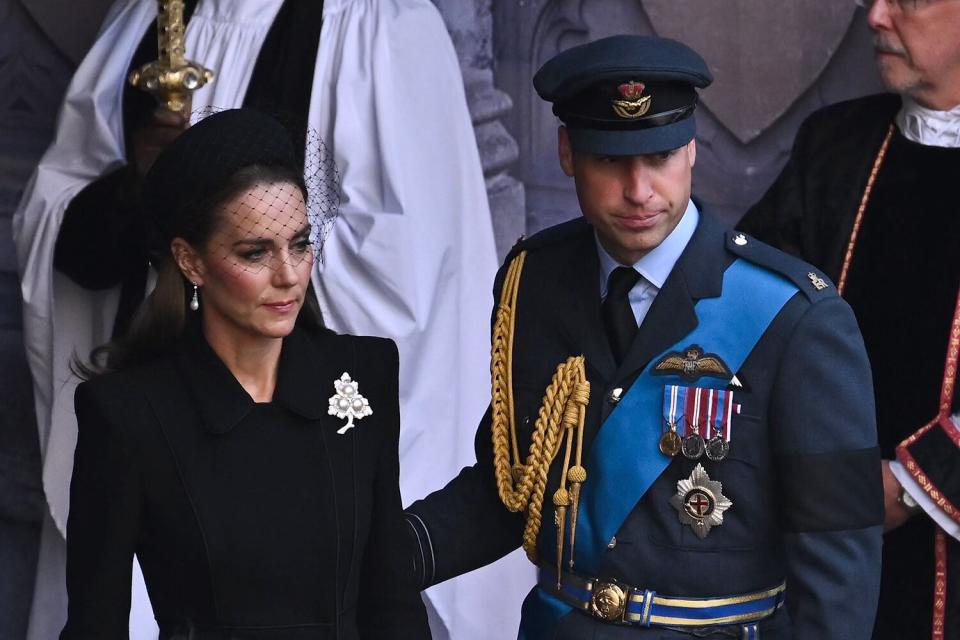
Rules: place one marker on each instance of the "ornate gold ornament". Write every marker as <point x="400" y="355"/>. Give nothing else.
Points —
<point x="634" y="104"/>
<point x="521" y="483"/>
<point x="700" y="502"/>
<point x="171" y="78"/>
<point x="608" y="602"/>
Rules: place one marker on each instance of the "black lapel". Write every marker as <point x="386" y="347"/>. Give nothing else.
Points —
<point x="581" y="324"/>
<point x="697" y="274"/>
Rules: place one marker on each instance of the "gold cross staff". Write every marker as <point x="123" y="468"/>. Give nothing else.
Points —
<point x="171" y="78"/>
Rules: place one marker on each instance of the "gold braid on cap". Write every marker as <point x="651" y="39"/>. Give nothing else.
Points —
<point x="560" y="421"/>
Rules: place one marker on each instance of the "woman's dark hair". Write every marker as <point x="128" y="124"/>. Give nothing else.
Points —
<point x="161" y="320"/>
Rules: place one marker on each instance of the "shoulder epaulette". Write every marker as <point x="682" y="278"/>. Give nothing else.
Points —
<point x="549" y="236"/>
<point x="810" y="280"/>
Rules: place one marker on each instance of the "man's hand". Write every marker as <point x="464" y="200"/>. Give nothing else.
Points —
<point x="159" y="130"/>
<point x="895" y="513"/>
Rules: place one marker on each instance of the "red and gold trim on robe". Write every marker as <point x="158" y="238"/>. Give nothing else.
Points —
<point x="911" y="452"/>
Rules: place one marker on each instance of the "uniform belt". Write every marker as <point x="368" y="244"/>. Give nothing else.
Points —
<point x="618" y="603"/>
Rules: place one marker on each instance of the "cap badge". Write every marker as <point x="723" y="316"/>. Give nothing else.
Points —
<point x="634" y="104"/>
<point x="699" y="502"/>
<point x="347" y="402"/>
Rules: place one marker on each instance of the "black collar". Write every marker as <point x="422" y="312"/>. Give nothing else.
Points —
<point x="221" y="400"/>
<point x="705" y="257"/>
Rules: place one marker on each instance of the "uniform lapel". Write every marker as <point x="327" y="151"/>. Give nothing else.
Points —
<point x="697" y="274"/>
<point x="581" y="324"/>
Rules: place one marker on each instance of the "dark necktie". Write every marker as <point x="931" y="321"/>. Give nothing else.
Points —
<point x="618" y="318"/>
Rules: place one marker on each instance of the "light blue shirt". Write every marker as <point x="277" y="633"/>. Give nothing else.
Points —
<point x="653" y="267"/>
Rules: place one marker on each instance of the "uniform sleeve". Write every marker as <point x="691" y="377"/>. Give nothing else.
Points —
<point x="828" y="463"/>
<point x="102" y="527"/>
<point x="102" y="238"/>
<point x="931" y="458"/>
<point x="464" y="525"/>
<point x="391" y="606"/>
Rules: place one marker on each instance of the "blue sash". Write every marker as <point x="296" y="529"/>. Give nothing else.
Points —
<point x="625" y="458"/>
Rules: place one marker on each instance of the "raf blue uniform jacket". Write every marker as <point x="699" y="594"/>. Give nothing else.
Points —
<point x="803" y="470"/>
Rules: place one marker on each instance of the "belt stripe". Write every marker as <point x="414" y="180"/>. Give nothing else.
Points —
<point x="646" y="607"/>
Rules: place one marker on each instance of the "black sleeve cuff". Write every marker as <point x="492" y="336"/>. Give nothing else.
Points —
<point x="423" y="559"/>
<point x="102" y="237"/>
<point x="932" y="457"/>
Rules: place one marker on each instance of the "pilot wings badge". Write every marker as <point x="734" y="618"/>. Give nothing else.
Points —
<point x="693" y="363"/>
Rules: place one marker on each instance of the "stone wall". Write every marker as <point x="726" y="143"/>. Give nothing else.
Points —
<point x="470" y="24"/>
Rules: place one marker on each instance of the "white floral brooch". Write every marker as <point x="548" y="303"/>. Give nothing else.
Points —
<point x="347" y="402"/>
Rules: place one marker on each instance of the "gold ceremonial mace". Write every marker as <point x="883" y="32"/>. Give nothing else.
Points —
<point x="171" y="78"/>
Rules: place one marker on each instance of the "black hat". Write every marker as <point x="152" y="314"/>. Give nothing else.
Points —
<point x="625" y="95"/>
<point x="202" y="162"/>
<point x="205" y="156"/>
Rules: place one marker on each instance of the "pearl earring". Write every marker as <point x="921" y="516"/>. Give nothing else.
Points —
<point x="195" y="300"/>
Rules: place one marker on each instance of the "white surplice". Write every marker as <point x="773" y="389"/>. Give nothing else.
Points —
<point x="411" y="258"/>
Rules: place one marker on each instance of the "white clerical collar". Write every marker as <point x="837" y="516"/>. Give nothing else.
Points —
<point x="928" y="127"/>
<point x="658" y="263"/>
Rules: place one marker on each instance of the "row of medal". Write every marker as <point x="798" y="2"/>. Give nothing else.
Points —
<point x="698" y="422"/>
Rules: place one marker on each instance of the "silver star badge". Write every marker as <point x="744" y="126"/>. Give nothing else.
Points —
<point x="347" y="402"/>
<point x="700" y="502"/>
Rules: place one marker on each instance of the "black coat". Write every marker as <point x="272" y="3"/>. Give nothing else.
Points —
<point x="802" y="472"/>
<point x="249" y="520"/>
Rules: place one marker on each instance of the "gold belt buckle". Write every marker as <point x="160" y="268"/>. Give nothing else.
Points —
<point x="608" y="601"/>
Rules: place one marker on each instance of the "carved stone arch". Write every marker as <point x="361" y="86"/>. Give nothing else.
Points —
<point x="559" y="26"/>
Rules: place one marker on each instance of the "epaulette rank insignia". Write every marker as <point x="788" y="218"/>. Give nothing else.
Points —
<point x="818" y="283"/>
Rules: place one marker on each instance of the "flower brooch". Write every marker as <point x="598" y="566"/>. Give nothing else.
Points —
<point x="347" y="402"/>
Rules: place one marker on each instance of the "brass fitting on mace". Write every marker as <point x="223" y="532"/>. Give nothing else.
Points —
<point x="171" y="78"/>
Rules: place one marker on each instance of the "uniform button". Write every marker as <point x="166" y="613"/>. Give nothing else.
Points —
<point x="615" y="395"/>
<point x="740" y="239"/>
<point x="612" y="543"/>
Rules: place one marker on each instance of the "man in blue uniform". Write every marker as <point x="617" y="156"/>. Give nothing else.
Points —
<point x="682" y="429"/>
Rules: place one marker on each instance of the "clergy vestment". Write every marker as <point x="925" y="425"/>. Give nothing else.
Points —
<point x="386" y="95"/>
<point x="902" y="280"/>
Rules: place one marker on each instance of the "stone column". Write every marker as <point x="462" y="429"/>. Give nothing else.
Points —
<point x="471" y="28"/>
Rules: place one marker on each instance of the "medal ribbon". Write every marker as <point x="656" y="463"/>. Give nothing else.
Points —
<point x="674" y="405"/>
<point x="695" y="404"/>
<point x="711" y="414"/>
<point x="714" y="420"/>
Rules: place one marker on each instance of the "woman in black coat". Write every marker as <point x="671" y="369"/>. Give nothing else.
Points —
<point x="246" y="455"/>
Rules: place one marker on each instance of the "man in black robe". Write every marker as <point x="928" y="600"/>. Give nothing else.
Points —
<point x="869" y="195"/>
